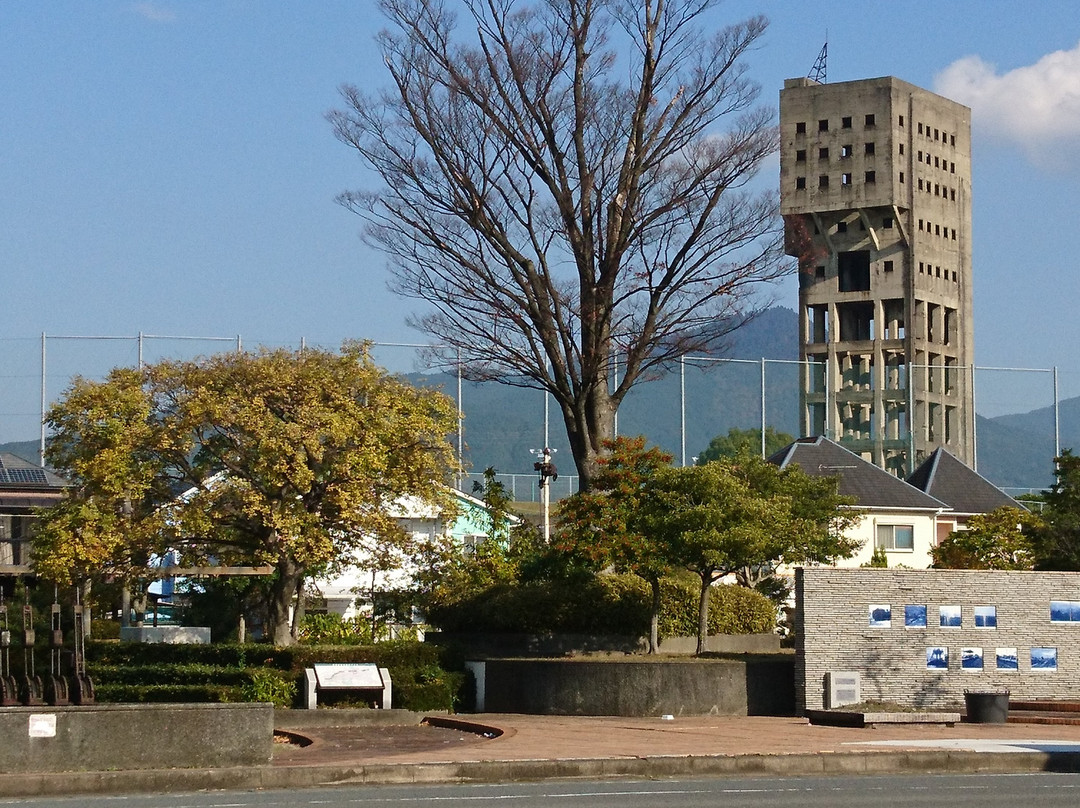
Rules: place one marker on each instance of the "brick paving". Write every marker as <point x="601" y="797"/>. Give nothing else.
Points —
<point x="532" y="737"/>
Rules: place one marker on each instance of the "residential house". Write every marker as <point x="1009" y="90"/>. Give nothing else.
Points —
<point x="24" y="487"/>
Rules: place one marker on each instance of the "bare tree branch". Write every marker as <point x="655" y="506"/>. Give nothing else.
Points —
<point x="567" y="185"/>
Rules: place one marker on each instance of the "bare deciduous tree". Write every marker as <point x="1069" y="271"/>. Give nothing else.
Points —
<point x="566" y="184"/>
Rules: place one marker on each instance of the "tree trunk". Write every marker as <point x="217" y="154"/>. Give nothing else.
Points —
<point x="589" y="423"/>
<point x="703" y="613"/>
<point x="286" y="584"/>
<point x="654" y="618"/>
<point x="298" y="612"/>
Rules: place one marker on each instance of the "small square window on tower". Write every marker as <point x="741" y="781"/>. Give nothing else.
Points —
<point x="800" y="183"/>
<point x="800" y="128"/>
<point x="869" y="148"/>
<point x="901" y="148"/>
<point x="823" y="153"/>
<point x="845" y="122"/>
<point x="845" y="150"/>
<point x="901" y="120"/>
<point x="901" y="177"/>
<point x="823" y="181"/>
<point x="819" y="272"/>
<point x="823" y="125"/>
<point x="845" y="179"/>
<point x="886" y="223"/>
<point x="871" y="177"/>
<point x="869" y="120"/>
<point x="888" y="266"/>
<point x="800" y="156"/>
<point x="841" y="227"/>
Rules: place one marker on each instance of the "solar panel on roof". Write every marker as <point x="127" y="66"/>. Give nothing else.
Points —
<point x="22" y="476"/>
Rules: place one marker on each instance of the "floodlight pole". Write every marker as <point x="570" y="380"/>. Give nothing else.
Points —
<point x="547" y="471"/>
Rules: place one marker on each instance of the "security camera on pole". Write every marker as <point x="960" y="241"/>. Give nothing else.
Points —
<point x="547" y="471"/>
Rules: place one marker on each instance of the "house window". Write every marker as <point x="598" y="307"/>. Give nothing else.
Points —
<point x="823" y="153"/>
<point x="800" y="156"/>
<point x="920" y="128"/>
<point x="845" y="122"/>
<point x="845" y="179"/>
<point x="888" y="266"/>
<point x="800" y="128"/>
<point x="869" y="120"/>
<point x="901" y="148"/>
<point x="869" y="148"/>
<point x="845" y="150"/>
<point x="800" y="183"/>
<point x="895" y="537"/>
<point x="901" y="120"/>
<point x="871" y="177"/>
<point x="823" y="181"/>
<point x="823" y="125"/>
<point x="901" y="177"/>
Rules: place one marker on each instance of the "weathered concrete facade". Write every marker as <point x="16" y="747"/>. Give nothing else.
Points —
<point x="841" y="625"/>
<point x="875" y="189"/>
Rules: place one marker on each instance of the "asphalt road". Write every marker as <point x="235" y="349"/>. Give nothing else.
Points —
<point x="958" y="791"/>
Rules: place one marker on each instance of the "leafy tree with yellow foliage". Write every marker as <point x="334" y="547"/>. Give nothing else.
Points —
<point x="276" y="457"/>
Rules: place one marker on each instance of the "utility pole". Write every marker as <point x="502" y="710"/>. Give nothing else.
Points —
<point x="547" y="471"/>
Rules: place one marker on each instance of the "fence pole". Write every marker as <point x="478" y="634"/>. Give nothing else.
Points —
<point x="763" y="408"/>
<point x="41" y="445"/>
<point x="682" y="407"/>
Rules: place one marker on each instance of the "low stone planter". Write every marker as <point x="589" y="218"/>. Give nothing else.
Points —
<point x="847" y="718"/>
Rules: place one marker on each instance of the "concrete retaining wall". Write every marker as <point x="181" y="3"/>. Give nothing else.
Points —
<point x="479" y="646"/>
<point x="835" y="632"/>
<point x="761" y="686"/>
<point x="135" y="736"/>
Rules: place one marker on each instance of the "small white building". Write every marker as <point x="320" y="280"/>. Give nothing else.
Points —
<point x="906" y="519"/>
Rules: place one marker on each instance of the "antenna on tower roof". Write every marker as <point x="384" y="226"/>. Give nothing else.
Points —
<point x="817" y="72"/>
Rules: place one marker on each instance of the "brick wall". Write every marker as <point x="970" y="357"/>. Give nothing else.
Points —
<point x="835" y="632"/>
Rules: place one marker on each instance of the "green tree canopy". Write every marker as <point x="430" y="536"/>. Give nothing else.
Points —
<point x="744" y="516"/>
<point x="603" y="524"/>
<point x="284" y="458"/>
<point x="1057" y="542"/>
<point x="739" y="440"/>
<point x="1003" y="539"/>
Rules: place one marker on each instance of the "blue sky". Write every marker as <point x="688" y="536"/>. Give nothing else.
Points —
<point x="166" y="167"/>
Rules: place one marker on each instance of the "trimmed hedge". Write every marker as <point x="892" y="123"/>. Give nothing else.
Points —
<point x="605" y="604"/>
<point x="136" y="672"/>
<point x="732" y="609"/>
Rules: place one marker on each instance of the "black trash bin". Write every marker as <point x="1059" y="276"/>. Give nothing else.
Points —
<point x="985" y="707"/>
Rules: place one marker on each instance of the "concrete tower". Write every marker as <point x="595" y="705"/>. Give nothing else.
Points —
<point x="875" y="189"/>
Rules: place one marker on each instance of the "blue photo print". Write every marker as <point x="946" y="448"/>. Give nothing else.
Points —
<point x="937" y="659"/>
<point x="949" y="616"/>
<point x="915" y="617"/>
<point x="1044" y="659"/>
<point x="1064" y="611"/>
<point x="880" y="616"/>
<point x="971" y="659"/>
<point x="986" y="617"/>
<point x="1007" y="659"/>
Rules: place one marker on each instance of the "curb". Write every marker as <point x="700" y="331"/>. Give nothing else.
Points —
<point x="282" y="777"/>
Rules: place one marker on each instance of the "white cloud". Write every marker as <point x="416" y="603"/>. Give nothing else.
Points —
<point x="1033" y="105"/>
<point x="154" y="12"/>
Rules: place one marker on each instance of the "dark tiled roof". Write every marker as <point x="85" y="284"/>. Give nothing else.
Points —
<point x="871" y="486"/>
<point x="944" y="477"/>
<point x="19" y="474"/>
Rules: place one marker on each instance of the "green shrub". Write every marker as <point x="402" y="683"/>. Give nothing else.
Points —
<point x="269" y="685"/>
<point x="136" y="672"/>
<point x="331" y="629"/>
<point x="732" y="609"/>
<point x="107" y="692"/>
<point x="595" y="604"/>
